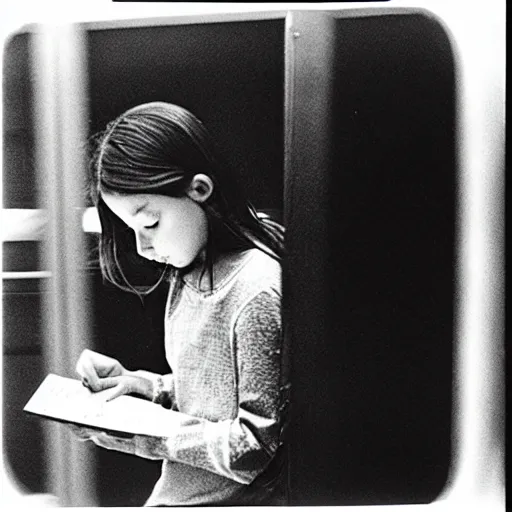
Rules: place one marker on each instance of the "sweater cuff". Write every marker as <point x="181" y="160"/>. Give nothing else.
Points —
<point x="163" y="387"/>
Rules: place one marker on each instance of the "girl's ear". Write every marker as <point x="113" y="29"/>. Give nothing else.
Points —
<point x="200" y="188"/>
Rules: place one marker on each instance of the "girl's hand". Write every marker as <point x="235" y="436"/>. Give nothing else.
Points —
<point x="83" y="433"/>
<point x="126" y="384"/>
<point x="95" y="369"/>
<point x="92" y="434"/>
<point x="100" y="372"/>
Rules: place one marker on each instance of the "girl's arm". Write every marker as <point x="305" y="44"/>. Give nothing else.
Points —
<point x="239" y="448"/>
<point x="100" y="372"/>
<point x="161" y="389"/>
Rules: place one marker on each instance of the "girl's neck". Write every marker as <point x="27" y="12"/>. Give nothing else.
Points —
<point x="199" y="275"/>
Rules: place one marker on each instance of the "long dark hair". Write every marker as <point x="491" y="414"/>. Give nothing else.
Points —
<point x="157" y="148"/>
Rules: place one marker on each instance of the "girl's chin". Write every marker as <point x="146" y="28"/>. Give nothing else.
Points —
<point x="180" y="263"/>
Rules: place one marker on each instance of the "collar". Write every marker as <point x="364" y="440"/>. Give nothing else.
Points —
<point x="225" y="267"/>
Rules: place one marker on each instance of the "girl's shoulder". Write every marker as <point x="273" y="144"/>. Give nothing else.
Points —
<point x="248" y="268"/>
<point x="260" y="270"/>
<point x="256" y="291"/>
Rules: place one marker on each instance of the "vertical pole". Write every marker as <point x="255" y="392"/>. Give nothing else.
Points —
<point x="308" y="160"/>
<point x="60" y="134"/>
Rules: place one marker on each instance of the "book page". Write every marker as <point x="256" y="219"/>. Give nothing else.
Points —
<point x="68" y="400"/>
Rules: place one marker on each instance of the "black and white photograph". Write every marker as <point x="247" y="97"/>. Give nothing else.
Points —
<point x="253" y="255"/>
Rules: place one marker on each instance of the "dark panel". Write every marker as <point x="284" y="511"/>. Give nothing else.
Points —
<point x="21" y="256"/>
<point x="229" y="74"/>
<point x="22" y="335"/>
<point x="372" y="351"/>
<point x="18" y="173"/>
<point x="131" y="331"/>
<point x="22" y="323"/>
<point x="127" y="327"/>
<point x="22" y="435"/>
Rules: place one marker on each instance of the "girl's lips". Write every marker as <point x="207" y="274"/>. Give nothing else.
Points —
<point x="155" y="257"/>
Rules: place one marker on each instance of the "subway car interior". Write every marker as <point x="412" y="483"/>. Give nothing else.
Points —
<point x="374" y="131"/>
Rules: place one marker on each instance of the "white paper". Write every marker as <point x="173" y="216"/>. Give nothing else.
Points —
<point x="68" y="400"/>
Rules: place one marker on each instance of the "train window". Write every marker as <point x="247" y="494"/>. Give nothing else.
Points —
<point x="344" y="125"/>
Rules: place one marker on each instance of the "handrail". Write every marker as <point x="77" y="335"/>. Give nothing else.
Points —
<point x="30" y="274"/>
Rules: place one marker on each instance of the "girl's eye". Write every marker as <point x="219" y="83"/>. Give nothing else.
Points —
<point x="152" y="226"/>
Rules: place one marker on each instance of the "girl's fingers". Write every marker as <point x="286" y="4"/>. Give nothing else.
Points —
<point x="86" y="370"/>
<point x="118" y="386"/>
<point x="101" y="373"/>
<point x="109" y="382"/>
<point x="85" y="383"/>
<point x="93" y="366"/>
<point x="113" y="387"/>
<point x="116" y="392"/>
<point x="83" y="433"/>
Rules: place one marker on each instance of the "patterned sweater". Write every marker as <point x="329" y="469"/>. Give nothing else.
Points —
<point x="229" y="384"/>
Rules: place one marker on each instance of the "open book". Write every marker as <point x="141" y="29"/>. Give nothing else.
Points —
<point x="67" y="400"/>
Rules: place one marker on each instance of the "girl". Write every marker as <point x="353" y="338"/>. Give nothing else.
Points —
<point x="166" y="205"/>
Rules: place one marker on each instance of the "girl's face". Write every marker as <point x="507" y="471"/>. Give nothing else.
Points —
<point x="172" y="230"/>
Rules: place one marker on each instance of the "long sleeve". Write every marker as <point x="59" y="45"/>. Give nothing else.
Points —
<point x="239" y="448"/>
<point x="168" y="390"/>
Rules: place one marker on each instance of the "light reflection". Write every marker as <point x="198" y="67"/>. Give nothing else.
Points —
<point x="23" y="225"/>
